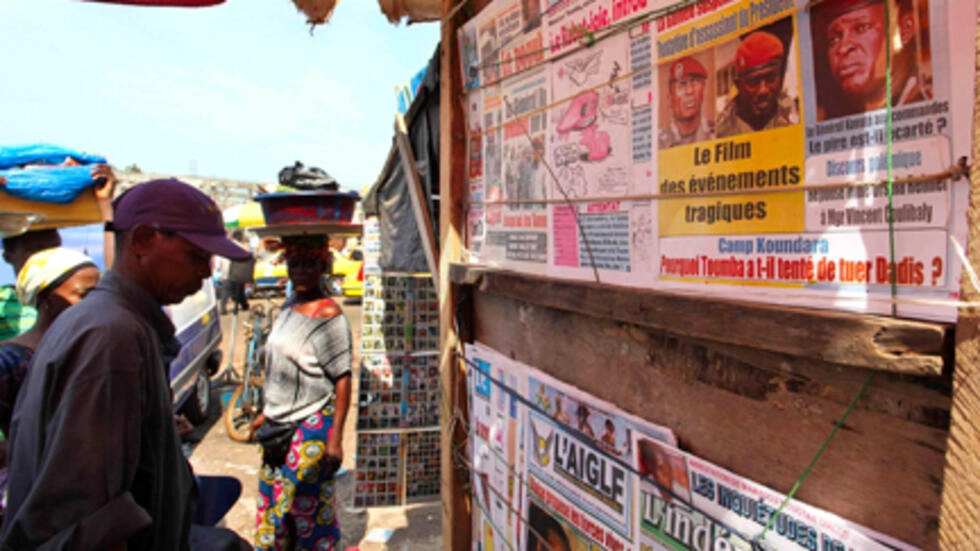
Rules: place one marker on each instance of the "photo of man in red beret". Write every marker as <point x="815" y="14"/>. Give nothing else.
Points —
<point x="849" y="56"/>
<point x="687" y="79"/>
<point x="762" y="102"/>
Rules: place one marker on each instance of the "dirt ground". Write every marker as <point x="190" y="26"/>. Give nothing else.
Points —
<point x="213" y="452"/>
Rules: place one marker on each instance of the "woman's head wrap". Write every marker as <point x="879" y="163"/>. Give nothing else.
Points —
<point x="48" y="269"/>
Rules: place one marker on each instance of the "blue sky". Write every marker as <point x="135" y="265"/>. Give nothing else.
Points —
<point x="235" y="91"/>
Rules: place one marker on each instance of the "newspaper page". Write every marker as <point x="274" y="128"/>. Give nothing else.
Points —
<point x="580" y="464"/>
<point x="516" y="229"/>
<point x="475" y="214"/>
<point x="747" y="126"/>
<point x="591" y="153"/>
<point x="686" y="503"/>
<point x="734" y="217"/>
<point x="517" y="232"/>
<point x="496" y="418"/>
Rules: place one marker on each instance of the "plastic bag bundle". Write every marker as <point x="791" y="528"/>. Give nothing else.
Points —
<point x="46" y="173"/>
<point x="60" y="185"/>
<point x="307" y="178"/>
<point x="43" y="154"/>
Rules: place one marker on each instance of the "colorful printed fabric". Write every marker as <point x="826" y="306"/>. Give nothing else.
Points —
<point x="296" y="507"/>
<point x="14" y="360"/>
<point x="15" y="318"/>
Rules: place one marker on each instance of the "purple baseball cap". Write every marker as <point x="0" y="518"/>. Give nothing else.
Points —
<point x="175" y="206"/>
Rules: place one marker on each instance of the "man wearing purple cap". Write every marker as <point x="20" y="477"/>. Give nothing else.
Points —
<point x="95" y="460"/>
<point x="686" y="89"/>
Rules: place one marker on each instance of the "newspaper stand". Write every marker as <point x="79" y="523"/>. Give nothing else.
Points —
<point x="398" y="390"/>
<point x="754" y="388"/>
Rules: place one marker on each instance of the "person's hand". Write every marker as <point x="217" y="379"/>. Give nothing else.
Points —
<point x="105" y="182"/>
<point x="332" y="458"/>
<point x="105" y="188"/>
<point x="257" y="422"/>
<point x="2" y="180"/>
<point x="184" y="427"/>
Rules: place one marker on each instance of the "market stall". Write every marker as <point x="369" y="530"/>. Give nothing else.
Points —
<point x="690" y="218"/>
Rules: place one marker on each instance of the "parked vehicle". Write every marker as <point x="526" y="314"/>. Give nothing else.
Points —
<point x="354" y="283"/>
<point x="270" y="274"/>
<point x="198" y="328"/>
<point x="348" y="273"/>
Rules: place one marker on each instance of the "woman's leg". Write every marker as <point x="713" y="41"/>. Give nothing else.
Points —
<point x="314" y="509"/>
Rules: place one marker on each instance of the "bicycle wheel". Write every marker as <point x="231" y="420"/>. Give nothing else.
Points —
<point x="242" y="409"/>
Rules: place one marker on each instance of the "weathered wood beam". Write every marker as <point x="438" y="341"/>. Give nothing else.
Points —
<point x="456" y="514"/>
<point x="764" y="426"/>
<point x="420" y="207"/>
<point x="959" y="516"/>
<point x="856" y="340"/>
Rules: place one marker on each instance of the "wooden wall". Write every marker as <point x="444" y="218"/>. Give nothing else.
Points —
<point x="759" y="408"/>
<point x="762" y="415"/>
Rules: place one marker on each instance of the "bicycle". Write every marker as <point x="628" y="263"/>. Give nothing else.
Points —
<point x="246" y="402"/>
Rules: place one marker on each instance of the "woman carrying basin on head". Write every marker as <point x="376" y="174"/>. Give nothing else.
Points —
<point x="307" y="393"/>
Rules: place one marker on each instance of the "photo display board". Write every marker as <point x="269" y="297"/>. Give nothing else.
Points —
<point x="731" y="148"/>
<point x="397" y="458"/>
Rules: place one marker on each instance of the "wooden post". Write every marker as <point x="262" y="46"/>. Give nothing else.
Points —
<point x="420" y="207"/>
<point x="456" y="520"/>
<point x="959" y="516"/>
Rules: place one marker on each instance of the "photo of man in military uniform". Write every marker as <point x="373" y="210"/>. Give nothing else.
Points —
<point x="687" y="123"/>
<point x="850" y="39"/>
<point x="761" y="102"/>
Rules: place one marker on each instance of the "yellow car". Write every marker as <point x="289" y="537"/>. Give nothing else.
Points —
<point x="354" y="283"/>
<point x="270" y="274"/>
<point x="348" y="276"/>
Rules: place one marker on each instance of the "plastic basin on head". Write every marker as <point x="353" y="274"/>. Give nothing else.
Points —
<point x="308" y="207"/>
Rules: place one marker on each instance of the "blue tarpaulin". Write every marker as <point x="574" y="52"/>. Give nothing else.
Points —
<point x="43" y="154"/>
<point x="46" y="181"/>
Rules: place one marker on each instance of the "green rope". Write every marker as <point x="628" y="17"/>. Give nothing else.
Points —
<point x="816" y="457"/>
<point x="890" y="179"/>
<point x="589" y="39"/>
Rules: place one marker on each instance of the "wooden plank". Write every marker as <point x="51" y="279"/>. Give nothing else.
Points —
<point x="882" y="470"/>
<point x="456" y="513"/>
<point x="420" y="207"/>
<point x="959" y="526"/>
<point x="855" y="340"/>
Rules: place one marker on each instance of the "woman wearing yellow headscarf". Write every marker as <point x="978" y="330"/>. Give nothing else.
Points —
<point x="51" y="281"/>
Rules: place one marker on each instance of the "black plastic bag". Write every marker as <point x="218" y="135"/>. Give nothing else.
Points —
<point x="307" y="178"/>
<point x="275" y="439"/>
